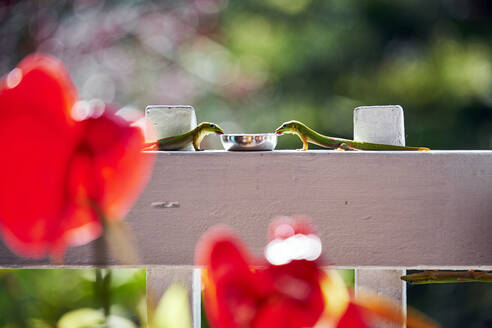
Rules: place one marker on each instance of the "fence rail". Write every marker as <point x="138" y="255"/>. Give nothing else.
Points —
<point x="378" y="212"/>
<point x="377" y="209"/>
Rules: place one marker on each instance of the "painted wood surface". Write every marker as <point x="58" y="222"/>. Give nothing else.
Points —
<point x="390" y="209"/>
<point x="160" y="278"/>
<point x="385" y="283"/>
<point x="381" y="124"/>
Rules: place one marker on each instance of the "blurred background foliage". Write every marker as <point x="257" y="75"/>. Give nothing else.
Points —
<point x="72" y="298"/>
<point x="249" y="65"/>
<point x="454" y="305"/>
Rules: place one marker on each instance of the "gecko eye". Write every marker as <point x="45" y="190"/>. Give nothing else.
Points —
<point x="284" y="126"/>
<point x="212" y="125"/>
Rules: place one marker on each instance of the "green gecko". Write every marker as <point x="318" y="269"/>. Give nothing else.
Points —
<point x="194" y="136"/>
<point x="309" y="135"/>
<point x="442" y="277"/>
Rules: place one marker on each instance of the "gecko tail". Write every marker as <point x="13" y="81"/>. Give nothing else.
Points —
<point x="413" y="148"/>
<point x="150" y="146"/>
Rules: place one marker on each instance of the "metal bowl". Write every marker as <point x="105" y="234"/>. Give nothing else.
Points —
<point x="249" y="142"/>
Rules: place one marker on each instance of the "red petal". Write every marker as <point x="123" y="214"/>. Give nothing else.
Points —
<point x="353" y="318"/>
<point x="233" y="289"/>
<point x="237" y="294"/>
<point x="37" y="136"/>
<point x="297" y="284"/>
<point x="120" y="170"/>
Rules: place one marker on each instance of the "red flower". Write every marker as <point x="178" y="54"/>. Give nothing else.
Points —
<point x="243" y="292"/>
<point x="233" y="288"/>
<point x="59" y="174"/>
<point x="290" y="290"/>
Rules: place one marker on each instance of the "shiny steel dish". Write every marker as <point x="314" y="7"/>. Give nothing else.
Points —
<point x="249" y="142"/>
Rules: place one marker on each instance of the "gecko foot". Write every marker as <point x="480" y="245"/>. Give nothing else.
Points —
<point x="344" y="147"/>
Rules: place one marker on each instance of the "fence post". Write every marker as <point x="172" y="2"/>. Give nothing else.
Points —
<point x="160" y="277"/>
<point x="381" y="124"/>
<point x="384" y="282"/>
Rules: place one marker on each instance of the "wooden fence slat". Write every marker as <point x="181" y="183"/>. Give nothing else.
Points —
<point x="159" y="278"/>
<point x="197" y="298"/>
<point x="385" y="283"/>
<point x="391" y="209"/>
<point x="381" y="124"/>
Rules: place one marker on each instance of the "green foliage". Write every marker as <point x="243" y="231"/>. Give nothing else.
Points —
<point x="348" y="276"/>
<point x="41" y="297"/>
<point x="328" y="57"/>
<point x="455" y="304"/>
<point x="250" y="65"/>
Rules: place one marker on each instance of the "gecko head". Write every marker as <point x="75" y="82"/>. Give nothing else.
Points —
<point x="211" y="128"/>
<point x="289" y="127"/>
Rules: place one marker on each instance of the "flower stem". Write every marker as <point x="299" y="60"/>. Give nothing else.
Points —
<point x="118" y="238"/>
<point x="103" y="290"/>
<point x="120" y="242"/>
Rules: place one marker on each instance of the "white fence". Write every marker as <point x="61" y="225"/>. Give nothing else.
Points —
<point x="373" y="210"/>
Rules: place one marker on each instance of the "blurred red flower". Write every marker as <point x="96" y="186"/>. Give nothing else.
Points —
<point x="241" y="291"/>
<point x="61" y="173"/>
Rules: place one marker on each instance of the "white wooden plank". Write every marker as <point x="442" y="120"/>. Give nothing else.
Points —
<point x="403" y="209"/>
<point x="163" y="121"/>
<point x="197" y="298"/>
<point x="386" y="283"/>
<point x="381" y="124"/>
<point x="159" y="278"/>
